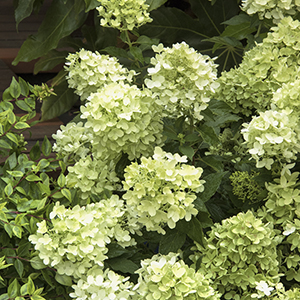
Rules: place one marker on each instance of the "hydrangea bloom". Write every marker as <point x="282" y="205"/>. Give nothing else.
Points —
<point x="79" y="236"/>
<point x="271" y="135"/>
<point x="271" y="9"/>
<point x="182" y="79"/>
<point x="123" y="14"/>
<point x="72" y="140"/>
<point x="90" y="71"/>
<point x="92" y="176"/>
<point x="167" y="277"/>
<point x="161" y="190"/>
<point x="240" y="252"/>
<point x="104" y="285"/>
<point x="123" y="118"/>
<point x="264" y="69"/>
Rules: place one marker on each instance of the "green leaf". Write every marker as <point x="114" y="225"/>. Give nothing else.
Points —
<point x="30" y="286"/>
<point x="66" y="193"/>
<point x="192" y="228"/>
<point x="19" y="267"/>
<point x="115" y="51"/>
<point x="211" y="185"/>
<point x="37" y="263"/>
<point x="187" y="150"/>
<point x="24" y="87"/>
<point x="4" y="297"/>
<point x="35" y="151"/>
<point x="37" y="297"/>
<point x="8" y="190"/>
<point x="13" y="289"/>
<point x="115" y="250"/>
<point x="12" y="161"/>
<point x="33" y="177"/>
<point x="23" y="10"/>
<point x="50" y="60"/>
<point x="55" y="106"/>
<point x="21" y="125"/>
<point x="172" y="241"/>
<point x="122" y="264"/>
<point x="5" y="145"/>
<point x="61" y="180"/>
<point x="22" y="104"/>
<point x="8" y="229"/>
<point x="12" y="137"/>
<point x="17" y="230"/>
<point x="154" y="4"/>
<point x="91" y="4"/>
<point x="46" y="146"/>
<point x="15" y="89"/>
<point x="137" y="54"/>
<point x="62" y="18"/>
<point x="63" y="279"/>
<point x="208" y="135"/>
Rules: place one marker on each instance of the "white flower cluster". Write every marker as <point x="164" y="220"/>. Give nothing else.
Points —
<point x="89" y="71"/>
<point x="160" y="191"/>
<point x="104" y="285"/>
<point x="123" y="14"/>
<point x="167" y="277"/>
<point x="123" y="118"/>
<point x="79" y="236"/>
<point x="272" y="135"/>
<point x="182" y="79"/>
<point x="92" y="176"/>
<point x="264" y="69"/>
<point x="271" y="9"/>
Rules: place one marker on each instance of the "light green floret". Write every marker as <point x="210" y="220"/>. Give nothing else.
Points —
<point x="160" y="191"/>
<point x="239" y="253"/>
<point x="182" y="79"/>
<point x="89" y="71"/>
<point x="264" y="69"/>
<point x="271" y="9"/>
<point x="123" y="118"/>
<point x="169" y="278"/>
<point x="123" y="14"/>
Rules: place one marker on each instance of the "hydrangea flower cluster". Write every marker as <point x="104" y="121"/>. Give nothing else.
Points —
<point x="123" y="14"/>
<point x="167" y="277"/>
<point x="92" y="176"/>
<point x="123" y="118"/>
<point x="79" y="236"/>
<point x="182" y="79"/>
<point x="271" y="9"/>
<point x="72" y="141"/>
<point x="272" y="134"/>
<point x="104" y="285"/>
<point x="264" y="69"/>
<point x="160" y="191"/>
<point x="89" y="71"/>
<point x="238" y="253"/>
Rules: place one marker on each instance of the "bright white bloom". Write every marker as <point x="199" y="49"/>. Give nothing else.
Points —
<point x="102" y="285"/>
<point x="164" y="276"/>
<point x="273" y="135"/>
<point x="263" y="287"/>
<point x="271" y="9"/>
<point x="160" y="191"/>
<point x="79" y="236"/>
<point x="89" y="71"/>
<point x="123" y="14"/>
<point x="289" y="230"/>
<point x="182" y="79"/>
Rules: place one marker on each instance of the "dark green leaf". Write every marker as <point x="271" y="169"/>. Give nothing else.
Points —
<point x="23" y="10"/>
<point x="137" y="54"/>
<point x="154" y="4"/>
<point x="208" y="135"/>
<point x="172" y="241"/>
<point x="37" y="263"/>
<point x="55" y="106"/>
<point x="62" y="18"/>
<point x="238" y="19"/>
<point x="115" y="250"/>
<point x="187" y="150"/>
<point x="240" y="31"/>
<point x="214" y="162"/>
<point x="46" y="146"/>
<point x="24" y="87"/>
<point x="115" y="51"/>
<point x="23" y="250"/>
<point x="12" y="161"/>
<point x="15" y="89"/>
<point x="91" y="4"/>
<point x="122" y="264"/>
<point x="192" y="228"/>
<point x="51" y="60"/>
<point x="22" y="104"/>
<point x="35" y="151"/>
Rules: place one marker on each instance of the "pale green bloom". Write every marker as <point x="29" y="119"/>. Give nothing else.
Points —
<point x="273" y="135"/>
<point x="264" y="69"/>
<point x="238" y="253"/>
<point x="123" y="14"/>
<point x="182" y="79"/>
<point x="167" y="277"/>
<point x="160" y="191"/>
<point x="88" y="72"/>
<point x="78" y="237"/>
<point x="104" y="285"/>
<point x="271" y="9"/>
